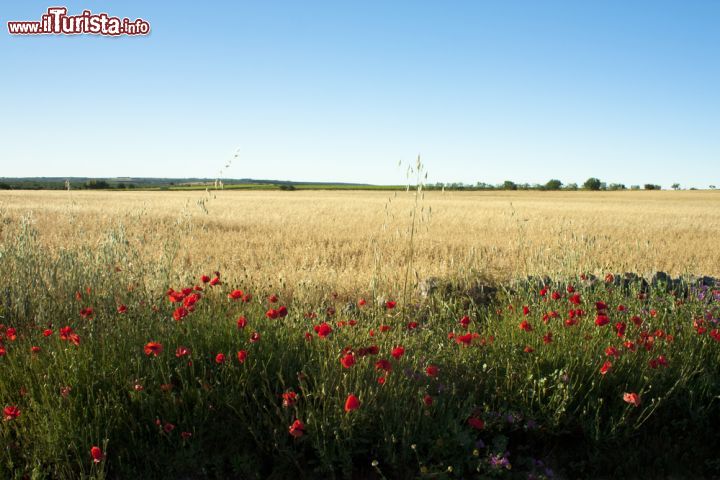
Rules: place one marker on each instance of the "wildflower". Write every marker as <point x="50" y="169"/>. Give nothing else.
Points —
<point x="476" y="423"/>
<point x="390" y="304"/>
<point x="180" y="313"/>
<point x="612" y="352"/>
<point x="241" y="322"/>
<point x="182" y="351"/>
<point x="11" y="412"/>
<point x="348" y="360"/>
<point x="555" y="296"/>
<point x="282" y="311"/>
<point x="297" y="429"/>
<point x="526" y="310"/>
<point x="381" y="380"/>
<point x="47" y="332"/>
<point x="528" y="349"/>
<point x="398" y="352"/>
<point x="254" y="337"/>
<point x="86" y="312"/>
<point x="153" y="348"/>
<point x="432" y="370"/>
<point x="215" y="281"/>
<point x="271" y="314"/>
<point x="289" y="399"/>
<point x="352" y="403"/>
<point x="620" y="329"/>
<point x="322" y="330"/>
<point x="273" y="298"/>
<point x="186" y="435"/>
<point x="96" y="454"/>
<point x="220" y="358"/>
<point x="601" y="320"/>
<point x="205" y="279"/>
<point x="35" y="349"/>
<point x="383" y="364"/>
<point x="606" y="367"/>
<point x="525" y="326"/>
<point x="428" y="400"/>
<point x="362" y="302"/>
<point x="548" y="338"/>
<point x="385" y="328"/>
<point x="465" y="321"/>
<point x="168" y="427"/>
<point x="632" y="398"/>
<point x="464" y="339"/>
<point x="242" y="356"/>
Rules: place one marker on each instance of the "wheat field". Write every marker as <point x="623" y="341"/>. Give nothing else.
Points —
<point x="351" y="241"/>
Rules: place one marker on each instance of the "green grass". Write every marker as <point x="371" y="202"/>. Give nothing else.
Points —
<point x="192" y="417"/>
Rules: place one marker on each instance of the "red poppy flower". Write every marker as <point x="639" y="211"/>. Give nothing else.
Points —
<point x="632" y="398"/>
<point x="548" y="338"/>
<point x="122" y="309"/>
<point x="86" y="312"/>
<point x="526" y="310"/>
<point x="362" y="302"/>
<point x="600" y="306"/>
<point x="397" y="352"/>
<point x="74" y="338"/>
<point x="242" y="356"/>
<point x="272" y="314"/>
<point x="575" y="299"/>
<point x="352" y="403"/>
<point x="601" y="320"/>
<point x="612" y="352"/>
<point x="35" y="349"/>
<point x="323" y="330"/>
<point x="525" y="326"/>
<point x="555" y="296"/>
<point x="383" y="364"/>
<point x="606" y="367"/>
<point x="205" y="279"/>
<point x="412" y="325"/>
<point x="220" y="358"/>
<point x="465" y="321"/>
<point x="476" y="423"/>
<point x="289" y="398"/>
<point x="11" y="412"/>
<point x="96" y="454"/>
<point x="620" y="329"/>
<point x="182" y="351"/>
<point x="180" y="313"/>
<point x="432" y="370"/>
<point x="543" y="291"/>
<point x="348" y="360"/>
<point x="215" y="281"/>
<point x="390" y="304"/>
<point x="168" y="427"/>
<point x="273" y="299"/>
<point x="570" y="289"/>
<point x="528" y="349"/>
<point x="3" y="352"/>
<point x="636" y="320"/>
<point x="153" y="348"/>
<point x="297" y="429"/>
<point x="47" y="332"/>
<point x="464" y="339"/>
<point x="254" y="337"/>
<point x="185" y="435"/>
<point x="385" y="328"/>
<point x="428" y="400"/>
<point x="282" y="311"/>
<point x="381" y="380"/>
<point x="235" y="294"/>
<point x="242" y="322"/>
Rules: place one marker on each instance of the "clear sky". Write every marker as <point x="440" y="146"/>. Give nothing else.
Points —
<point x="342" y="90"/>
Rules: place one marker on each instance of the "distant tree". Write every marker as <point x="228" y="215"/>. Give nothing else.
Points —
<point x="712" y="187"/>
<point x="4" y="186"/>
<point x="508" y="185"/>
<point x="120" y="186"/>
<point x="676" y="186"/>
<point x="651" y="186"/>
<point x="616" y="186"/>
<point x="571" y="186"/>
<point x="592" y="183"/>
<point x="96" y="184"/>
<point x="287" y="187"/>
<point x="634" y="187"/>
<point x="553" y="184"/>
<point x="130" y="185"/>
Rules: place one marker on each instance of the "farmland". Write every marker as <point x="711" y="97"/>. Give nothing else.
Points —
<point x="255" y="334"/>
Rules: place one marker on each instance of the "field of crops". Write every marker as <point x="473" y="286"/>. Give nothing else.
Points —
<point x="273" y="334"/>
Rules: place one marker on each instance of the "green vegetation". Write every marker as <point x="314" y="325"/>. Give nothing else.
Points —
<point x="573" y="378"/>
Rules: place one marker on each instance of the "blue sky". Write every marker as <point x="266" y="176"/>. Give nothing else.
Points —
<point x="341" y="91"/>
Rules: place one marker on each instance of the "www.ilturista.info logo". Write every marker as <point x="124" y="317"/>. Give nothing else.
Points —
<point x="57" y="22"/>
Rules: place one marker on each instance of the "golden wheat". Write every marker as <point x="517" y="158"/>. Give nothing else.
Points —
<point x="350" y="241"/>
